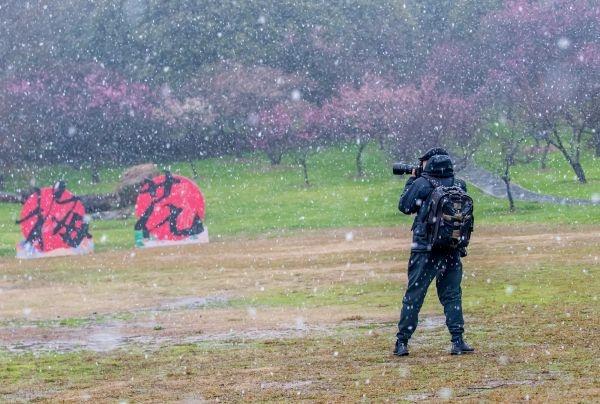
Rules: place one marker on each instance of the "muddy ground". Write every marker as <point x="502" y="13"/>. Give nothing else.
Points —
<point x="309" y="315"/>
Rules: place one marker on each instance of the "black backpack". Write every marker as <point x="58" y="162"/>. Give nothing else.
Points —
<point x="450" y="217"/>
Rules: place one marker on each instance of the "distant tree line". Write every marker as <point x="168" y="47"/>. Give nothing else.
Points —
<point x="93" y="83"/>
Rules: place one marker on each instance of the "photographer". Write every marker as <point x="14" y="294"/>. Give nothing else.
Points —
<point x="426" y="261"/>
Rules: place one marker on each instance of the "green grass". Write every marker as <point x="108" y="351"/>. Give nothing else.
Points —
<point x="522" y="334"/>
<point x="69" y="322"/>
<point x="501" y="289"/>
<point x="368" y="294"/>
<point x="79" y="181"/>
<point x="249" y="197"/>
<point x="558" y="178"/>
<point x="50" y="368"/>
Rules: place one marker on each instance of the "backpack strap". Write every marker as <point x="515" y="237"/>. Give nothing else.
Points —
<point x="432" y="199"/>
<point x="434" y="182"/>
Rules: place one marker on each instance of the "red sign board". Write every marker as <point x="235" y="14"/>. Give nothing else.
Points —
<point x="53" y="219"/>
<point x="169" y="208"/>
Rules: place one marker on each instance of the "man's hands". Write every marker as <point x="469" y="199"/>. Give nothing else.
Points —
<point x="421" y="168"/>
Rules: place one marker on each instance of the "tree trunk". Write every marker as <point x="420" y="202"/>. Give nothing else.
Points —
<point x="511" y="202"/>
<point x="95" y="175"/>
<point x="359" y="163"/>
<point x="544" y="159"/>
<point x="509" y="195"/>
<point x="275" y="158"/>
<point x="574" y="163"/>
<point x="194" y="171"/>
<point x="302" y="162"/>
<point x="1" y="182"/>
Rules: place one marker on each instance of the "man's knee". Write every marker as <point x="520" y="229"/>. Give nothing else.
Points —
<point x="413" y="298"/>
<point x="450" y="295"/>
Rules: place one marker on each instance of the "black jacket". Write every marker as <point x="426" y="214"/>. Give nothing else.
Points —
<point x="417" y="191"/>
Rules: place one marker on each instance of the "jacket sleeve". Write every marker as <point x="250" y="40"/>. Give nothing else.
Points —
<point x="413" y="196"/>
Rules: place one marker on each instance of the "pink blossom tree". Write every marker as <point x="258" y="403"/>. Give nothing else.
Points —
<point x="272" y="133"/>
<point x="189" y="119"/>
<point x="237" y="93"/>
<point x="427" y="118"/>
<point x="548" y="50"/>
<point x="81" y="114"/>
<point x="294" y="127"/>
<point x="360" y="115"/>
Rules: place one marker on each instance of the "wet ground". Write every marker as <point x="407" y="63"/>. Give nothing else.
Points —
<point x="300" y="304"/>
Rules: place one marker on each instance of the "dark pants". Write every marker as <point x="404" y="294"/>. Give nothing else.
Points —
<point x="422" y="268"/>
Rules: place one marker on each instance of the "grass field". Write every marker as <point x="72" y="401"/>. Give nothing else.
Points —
<point x="297" y="297"/>
<point x="250" y="197"/>
<point x="308" y="316"/>
<point x="558" y="178"/>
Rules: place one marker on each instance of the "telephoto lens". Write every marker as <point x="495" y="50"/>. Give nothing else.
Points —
<point x="401" y="168"/>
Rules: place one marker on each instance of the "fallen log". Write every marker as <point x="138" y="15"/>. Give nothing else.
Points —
<point x="115" y="204"/>
<point x="101" y="202"/>
<point x="120" y="214"/>
<point x="8" y="197"/>
<point x="93" y="203"/>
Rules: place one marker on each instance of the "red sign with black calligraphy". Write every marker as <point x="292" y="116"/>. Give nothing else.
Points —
<point x="53" y="219"/>
<point x="169" y="208"/>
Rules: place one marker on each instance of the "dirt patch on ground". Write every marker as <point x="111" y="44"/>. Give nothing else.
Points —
<point x="192" y="328"/>
<point x="164" y="295"/>
<point x="309" y="316"/>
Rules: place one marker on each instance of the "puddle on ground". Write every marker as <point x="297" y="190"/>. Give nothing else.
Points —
<point x="103" y="339"/>
<point x="494" y="384"/>
<point x="418" y="397"/>
<point x="192" y="302"/>
<point x="430" y="322"/>
<point x="117" y="334"/>
<point x="295" y="385"/>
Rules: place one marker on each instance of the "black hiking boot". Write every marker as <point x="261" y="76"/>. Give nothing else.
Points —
<point x="460" y="347"/>
<point x="401" y="348"/>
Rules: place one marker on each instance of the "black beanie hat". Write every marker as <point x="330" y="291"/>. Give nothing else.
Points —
<point x="433" y="152"/>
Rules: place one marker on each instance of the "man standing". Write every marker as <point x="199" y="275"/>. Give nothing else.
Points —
<point x="427" y="263"/>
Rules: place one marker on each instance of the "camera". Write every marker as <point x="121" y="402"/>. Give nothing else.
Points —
<point x="402" y="168"/>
